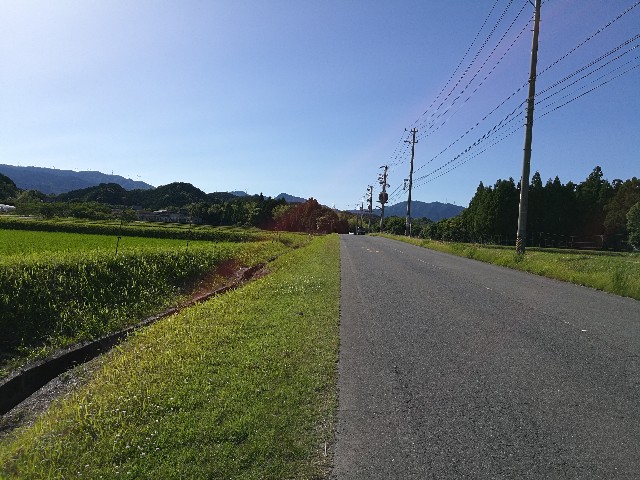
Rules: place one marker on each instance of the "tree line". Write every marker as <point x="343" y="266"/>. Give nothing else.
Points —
<point x="594" y="213"/>
<point x="109" y="201"/>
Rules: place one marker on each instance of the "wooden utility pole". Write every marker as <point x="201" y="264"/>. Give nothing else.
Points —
<point x="383" y="197"/>
<point x="413" y="142"/>
<point x="370" y="193"/>
<point x="521" y="237"/>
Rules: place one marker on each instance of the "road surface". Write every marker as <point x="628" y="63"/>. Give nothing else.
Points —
<point x="451" y="368"/>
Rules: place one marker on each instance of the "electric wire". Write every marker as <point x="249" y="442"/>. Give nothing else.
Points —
<point x="490" y="133"/>
<point x="585" y="92"/>
<point x="589" y="38"/>
<point x="432" y="121"/>
<point x="542" y="100"/>
<point x="593" y="62"/>
<point x="460" y="63"/>
<point x="425" y="179"/>
<point x="611" y="22"/>
<point x="471" y="152"/>
<point x="400" y="155"/>
<point x="433" y="130"/>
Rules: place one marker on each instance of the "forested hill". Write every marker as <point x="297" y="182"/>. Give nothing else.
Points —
<point x="53" y="181"/>
<point x="176" y="195"/>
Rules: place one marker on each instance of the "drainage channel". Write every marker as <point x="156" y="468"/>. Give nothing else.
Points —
<point x="29" y="380"/>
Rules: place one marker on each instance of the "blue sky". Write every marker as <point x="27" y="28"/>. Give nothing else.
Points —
<point x="312" y="97"/>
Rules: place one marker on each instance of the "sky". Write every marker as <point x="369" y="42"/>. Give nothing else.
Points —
<point x="311" y="98"/>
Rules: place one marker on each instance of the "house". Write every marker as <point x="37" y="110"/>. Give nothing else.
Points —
<point x="163" y="216"/>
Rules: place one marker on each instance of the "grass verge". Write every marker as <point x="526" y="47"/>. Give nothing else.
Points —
<point x="612" y="272"/>
<point x="242" y="386"/>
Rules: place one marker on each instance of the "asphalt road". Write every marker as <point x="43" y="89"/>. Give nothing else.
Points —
<point x="451" y="368"/>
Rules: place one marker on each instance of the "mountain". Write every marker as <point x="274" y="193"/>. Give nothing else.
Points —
<point x="109" y="193"/>
<point x="8" y="188"/>
<point x="176" y="194"/>
<point x="50" y="180"/>
<point x="291" y="198"/>
<point x="433" y="211"/>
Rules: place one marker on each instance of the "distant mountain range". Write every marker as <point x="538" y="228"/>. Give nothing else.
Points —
<point x="291" y="198"/>
<point x="288" y="198"/>
<point x="117" y="190"/>
<point x="54" y="181"/>
<point x="433" y="211"/>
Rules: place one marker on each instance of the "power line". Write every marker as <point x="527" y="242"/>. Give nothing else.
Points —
<point x="542" y="100"/>
<point x="589" y="38"/>
<point x="586" y="92"/>
<point x="433" y="130"/>
<point x="486" y="61"/>
<point x="475" y="144"/>
<point x="506" y="128"/>
<point x="594" y="62"/>
<point x="420" y="181"/>
<point x="496" y="128"/>
<point x="429" y="177"/>
<point x="460" y="63"/>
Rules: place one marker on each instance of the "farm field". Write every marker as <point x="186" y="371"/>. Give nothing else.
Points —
<point x="241" y="386"/>
<point x="23" y="243"/>
<point x="133" y="229"/>
<point x="613" y="272"/>
<point x="59" y="288"/>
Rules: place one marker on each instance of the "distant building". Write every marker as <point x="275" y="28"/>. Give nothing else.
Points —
<point x="164" y="216"/>
<point x="6" y="208"/>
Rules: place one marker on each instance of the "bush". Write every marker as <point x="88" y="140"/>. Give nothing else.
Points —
<point x="633" y="225"/>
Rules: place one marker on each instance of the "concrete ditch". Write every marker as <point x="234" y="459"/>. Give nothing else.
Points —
<point x="28" y="380"/>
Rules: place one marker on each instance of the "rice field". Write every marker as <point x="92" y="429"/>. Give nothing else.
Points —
<point x="59" y="288"/>
<point x="23" y="243"/>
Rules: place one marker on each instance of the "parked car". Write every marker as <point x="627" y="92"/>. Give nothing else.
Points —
<point x="360" y="231"/>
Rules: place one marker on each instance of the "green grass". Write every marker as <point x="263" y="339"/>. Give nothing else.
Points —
<point x="242" y="386"/>
<point x="617" y="273"/>
<point x="57" y="289"/>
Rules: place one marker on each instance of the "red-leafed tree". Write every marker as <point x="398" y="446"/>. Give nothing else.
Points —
<point x="310" y="217"/>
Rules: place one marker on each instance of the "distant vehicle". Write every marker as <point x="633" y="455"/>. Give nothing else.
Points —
<point x="360" y="231"/>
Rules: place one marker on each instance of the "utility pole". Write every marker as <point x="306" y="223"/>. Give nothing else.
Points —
<point x="370" y="192"/>
<point x="384" y="196"/>
<point x="521" y="237"/>
<point x="413" y="142"/>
